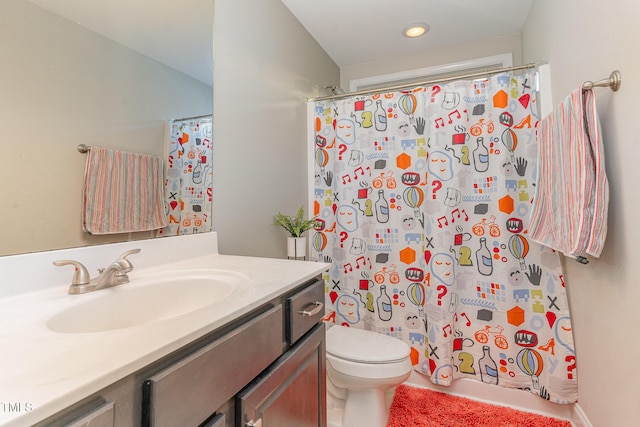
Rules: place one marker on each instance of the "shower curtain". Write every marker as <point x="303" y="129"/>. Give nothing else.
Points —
<point x="188" y="177"/>
<point x="423" y="198"/>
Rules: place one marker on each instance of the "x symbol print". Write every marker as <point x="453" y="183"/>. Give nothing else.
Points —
<point x="432" y="352"/>
<point x="429" y="241"/>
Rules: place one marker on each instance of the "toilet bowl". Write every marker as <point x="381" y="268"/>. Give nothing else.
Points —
<point x="361" y="367"/>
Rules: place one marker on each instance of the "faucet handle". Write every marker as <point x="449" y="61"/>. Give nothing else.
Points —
<point x="80" y="275"/>
<point x="125" y="264"/>
<point x="131" y="252"/>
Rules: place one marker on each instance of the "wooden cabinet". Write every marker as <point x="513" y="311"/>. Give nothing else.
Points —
<point x="95" y="413"/>
<point x="189" y="391"/>
<point x="102" y="416"/>
<point x="268" y="365"/>
<point x="291" y="393"/>
<point x="304" y="310"/>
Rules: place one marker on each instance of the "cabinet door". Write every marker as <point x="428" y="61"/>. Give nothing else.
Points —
<point x="291" y="393"/>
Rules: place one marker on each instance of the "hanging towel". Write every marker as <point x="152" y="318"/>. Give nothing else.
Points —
<point x="122" y="192"/>
<point x="569" y="211"/>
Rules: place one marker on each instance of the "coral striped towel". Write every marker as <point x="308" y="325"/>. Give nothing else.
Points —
<point x="122" y="192"/>
<point x="570" y="207"/>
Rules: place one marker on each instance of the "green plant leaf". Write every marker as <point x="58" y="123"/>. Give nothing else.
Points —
<point x="295" y="225"/>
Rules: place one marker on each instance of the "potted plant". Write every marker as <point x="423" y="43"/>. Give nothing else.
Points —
<point x="296" y="225"/>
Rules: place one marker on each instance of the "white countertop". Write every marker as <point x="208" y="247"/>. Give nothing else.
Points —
<point x="43" y="372"/>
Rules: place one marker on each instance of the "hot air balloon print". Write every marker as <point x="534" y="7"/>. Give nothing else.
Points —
<point x="530" y="362"/>
<point x="414" y="197"/>
<point x="519" y="248"/>
<point x="407" y="105"/>
<point x="415" y="293"/>
<point x="319" y="242"/>
<point x="510" y="140"/>
<point x="322" y="158"/>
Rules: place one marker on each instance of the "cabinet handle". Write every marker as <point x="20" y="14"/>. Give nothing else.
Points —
<point x="317" y="306"/>
<point x="254" y="423"/>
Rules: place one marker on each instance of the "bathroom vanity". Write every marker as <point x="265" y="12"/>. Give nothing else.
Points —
<point x="255" y="357"/>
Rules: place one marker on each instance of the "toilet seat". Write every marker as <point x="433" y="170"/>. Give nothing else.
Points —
<point x="365" y="372"/>
<point x="360" y="346"/>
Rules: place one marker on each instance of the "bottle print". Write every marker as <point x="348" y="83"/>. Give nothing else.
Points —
<point x="484" y="259"/>
<point x="488" y="367"/>
<point x="384" y="304"/>
<point x="481" y="156"/>
<point x="382" y="208"/>
<point x="197" y="173"/>
<point x="380" y="117"/>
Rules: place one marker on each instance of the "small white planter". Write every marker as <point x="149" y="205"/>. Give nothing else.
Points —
<point x="296" y="247"/>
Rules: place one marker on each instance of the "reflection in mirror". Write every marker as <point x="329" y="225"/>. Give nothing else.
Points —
<point x="189" y="177"/>
<point x="63" y="85"/>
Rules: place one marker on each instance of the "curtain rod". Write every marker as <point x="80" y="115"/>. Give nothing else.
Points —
<point x="425" y="83"/>
<point x="192" y="118"/>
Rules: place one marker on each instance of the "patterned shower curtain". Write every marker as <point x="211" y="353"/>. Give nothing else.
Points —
<point x="424" y="199"/>
<point x="188" y="177"/>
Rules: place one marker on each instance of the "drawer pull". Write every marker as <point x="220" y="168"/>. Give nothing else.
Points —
<point x="317" y="306"/>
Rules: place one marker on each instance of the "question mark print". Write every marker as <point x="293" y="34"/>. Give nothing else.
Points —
<point x="434" y="91"/>
<point x="343" y="237"/>
<point x="571" y="367"/>
<point x="437" y="185"/>
<point x="341" y="149"/>
<point x="442" y="291"/>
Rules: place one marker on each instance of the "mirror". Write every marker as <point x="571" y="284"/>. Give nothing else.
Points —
<point x="63" y="84"/>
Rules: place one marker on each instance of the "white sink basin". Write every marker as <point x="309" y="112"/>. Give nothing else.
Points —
<point x="146" y="300"/>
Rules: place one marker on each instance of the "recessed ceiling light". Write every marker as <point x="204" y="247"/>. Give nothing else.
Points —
<point x="415" y="30"/>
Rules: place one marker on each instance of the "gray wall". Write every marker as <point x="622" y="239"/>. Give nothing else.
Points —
<point x="266" y="65"/>
<point x="586" y="40"/>
<point x="62" y="85"/>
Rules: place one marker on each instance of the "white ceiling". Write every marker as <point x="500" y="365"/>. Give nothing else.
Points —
<point x="359" y="31"/>
<point x="176" y="33"/>
<point x="180" y="33"/>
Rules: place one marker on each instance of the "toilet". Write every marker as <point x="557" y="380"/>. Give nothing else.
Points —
<point x="361" y="367"/>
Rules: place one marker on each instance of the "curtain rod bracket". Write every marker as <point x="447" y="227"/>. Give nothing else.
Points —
<point x="614" y="81"/>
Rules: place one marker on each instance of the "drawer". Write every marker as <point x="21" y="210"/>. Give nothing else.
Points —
<point x="94" y="413"/>
<point x="189" y="391"/>
<point x="304" y="309"/>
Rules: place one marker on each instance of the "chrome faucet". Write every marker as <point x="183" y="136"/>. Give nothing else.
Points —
<point x="113" y="275"/>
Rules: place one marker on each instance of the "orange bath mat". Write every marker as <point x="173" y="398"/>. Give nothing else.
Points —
<point x="417" y="407"/>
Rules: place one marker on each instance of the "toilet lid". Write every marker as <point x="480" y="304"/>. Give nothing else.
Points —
<point x="365" y="346"/>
